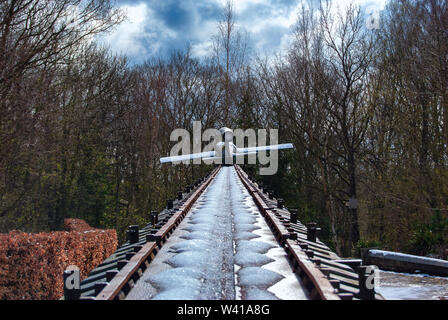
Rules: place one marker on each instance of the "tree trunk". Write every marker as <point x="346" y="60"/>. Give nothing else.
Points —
<point x="354" y="226"/>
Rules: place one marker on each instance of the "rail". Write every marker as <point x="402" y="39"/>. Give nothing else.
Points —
<point x="324" y="275"/>
<point x="123" y="282"/>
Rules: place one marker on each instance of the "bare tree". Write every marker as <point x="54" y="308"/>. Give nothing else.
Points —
<point x="320" y="94"/>
<point x="230" y="47"/>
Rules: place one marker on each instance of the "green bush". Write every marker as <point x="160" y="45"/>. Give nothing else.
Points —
<point x="364" y="243"/>
<point x="431" y="237"/>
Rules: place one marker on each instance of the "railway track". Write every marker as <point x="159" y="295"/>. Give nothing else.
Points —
<point x="225" y="240"/>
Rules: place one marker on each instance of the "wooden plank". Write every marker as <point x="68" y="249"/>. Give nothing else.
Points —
<point x="339" y="266"/>
<point x="279" y="229"/>
<point x="347" y="281"/>
<point x="345" y="288"/>
<point x="320" y="282"/>
<point x="319" y="244"/>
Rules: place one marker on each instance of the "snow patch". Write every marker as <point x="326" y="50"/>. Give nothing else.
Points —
<point x="246" y="227"/>
<point x="254" y="246"/>
<point x="258" y="277"/>
<point x="178" y="294"/>
<point x="185" y="278"/>
<point x="245" y="236"/>
<point x="192" y="245"/>
<point x="190" y="259"/>
<point x="257" y="294"/>
<point x="251" y="259"/>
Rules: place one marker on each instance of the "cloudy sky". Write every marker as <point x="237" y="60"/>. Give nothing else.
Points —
<point x="155" y="28"/>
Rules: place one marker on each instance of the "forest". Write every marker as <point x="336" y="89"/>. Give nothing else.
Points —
<point x="82" y="129"/>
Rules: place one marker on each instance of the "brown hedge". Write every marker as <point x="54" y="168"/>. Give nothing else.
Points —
<point x="76" y="225"/>
<point x="31" y="265"/>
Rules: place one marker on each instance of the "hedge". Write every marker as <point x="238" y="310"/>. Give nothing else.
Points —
<point x="31" y="265"/>
<point x="76" y="225"/>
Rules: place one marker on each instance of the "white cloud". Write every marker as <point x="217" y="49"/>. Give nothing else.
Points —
<point x="140" y="35"/>
<point x="146" y="34"/>
<point x="201" y="49"/>
<point x="278" y="18"/>
<point x="344" y="4"/>
<point x="241" y="5"/>
<point x="125" y="38"/>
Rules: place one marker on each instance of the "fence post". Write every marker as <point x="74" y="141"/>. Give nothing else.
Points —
<point x="154" y="218"/>
<point x="293" y="216"/>
<point x="133" y="233"/>
<point x="366" y="289"/>
<point x="280" y="203"/>
<point x="311" y="232"/>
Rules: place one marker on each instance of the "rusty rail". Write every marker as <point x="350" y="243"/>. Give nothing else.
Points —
<point x="322" y="272"/>
<point x="312" y="277"/>
<point x="124" y="280"/>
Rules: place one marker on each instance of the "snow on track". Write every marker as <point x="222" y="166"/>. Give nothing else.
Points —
<point x="222" y="250"/>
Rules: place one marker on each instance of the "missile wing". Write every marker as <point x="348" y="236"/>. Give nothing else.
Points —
<point x="188" y="157"/>
<point x="265" y="148"/>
